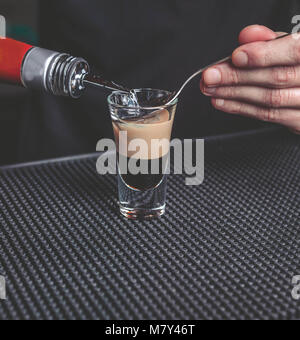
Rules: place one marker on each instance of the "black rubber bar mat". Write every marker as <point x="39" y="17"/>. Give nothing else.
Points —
<point x="226" y="249"/>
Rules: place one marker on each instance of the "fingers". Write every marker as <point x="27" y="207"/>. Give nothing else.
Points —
<point x="256" y="33"/>
<point x="285" y="51"/>
<point x="263" y="80"/>
<point x="273" y="77"/>
<point x="276" y="98"/>
<point x="287" y="117"/>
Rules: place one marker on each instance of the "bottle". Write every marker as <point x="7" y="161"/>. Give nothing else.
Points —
<point x="41" y="69"/>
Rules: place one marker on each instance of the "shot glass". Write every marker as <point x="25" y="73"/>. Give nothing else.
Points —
<point x="142" y="135"/>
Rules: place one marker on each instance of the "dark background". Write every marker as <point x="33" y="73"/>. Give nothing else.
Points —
<point x="138" y="43"/>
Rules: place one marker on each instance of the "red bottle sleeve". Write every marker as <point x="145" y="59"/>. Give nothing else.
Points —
<point x="12" y="54"/>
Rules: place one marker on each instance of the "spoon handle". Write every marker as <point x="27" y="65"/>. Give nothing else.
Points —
<point x="208" y="66"/>
<point x="195" y="75"/>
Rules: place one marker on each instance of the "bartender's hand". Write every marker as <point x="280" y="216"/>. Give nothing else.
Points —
<point x="263" y="80"/>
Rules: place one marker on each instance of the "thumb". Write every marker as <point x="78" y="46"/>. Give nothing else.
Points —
<point x="256" y="33"/>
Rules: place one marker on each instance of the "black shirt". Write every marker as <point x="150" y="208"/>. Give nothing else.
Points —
<point x="138" y="43"/>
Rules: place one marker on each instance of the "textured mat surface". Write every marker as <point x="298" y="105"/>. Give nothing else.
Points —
<point x="226" y="249"/>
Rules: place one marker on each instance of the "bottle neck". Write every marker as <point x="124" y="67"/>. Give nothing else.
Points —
<point x="56" y="73"/>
